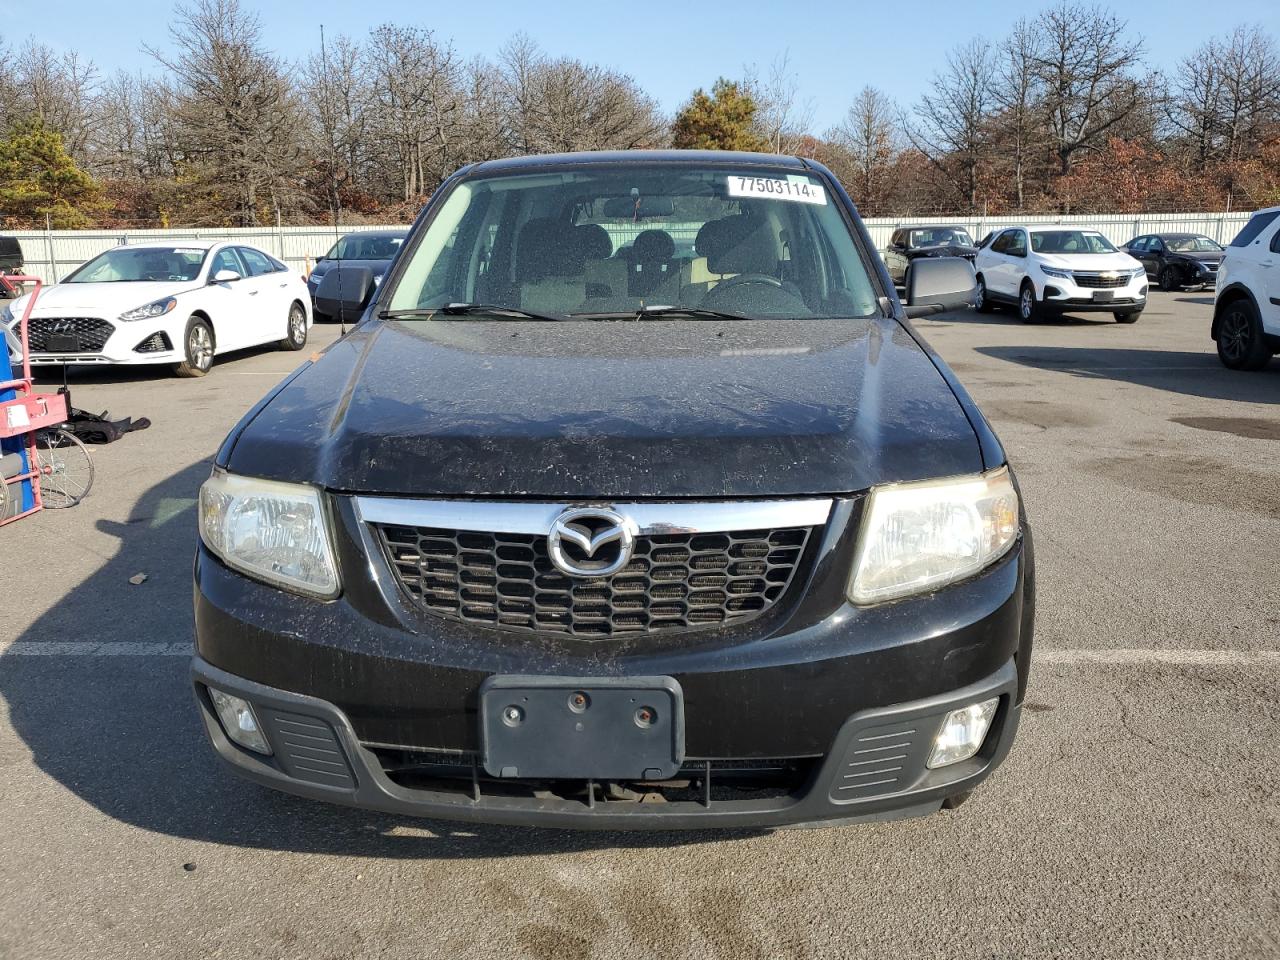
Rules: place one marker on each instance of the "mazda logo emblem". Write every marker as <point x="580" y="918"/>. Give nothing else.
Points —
<point x="591" y="542"/>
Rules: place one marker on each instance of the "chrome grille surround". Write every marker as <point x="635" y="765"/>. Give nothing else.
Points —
<point x="695" y="565"/>
<point x="92" y="331"/>
<point x="1100" y="279"/>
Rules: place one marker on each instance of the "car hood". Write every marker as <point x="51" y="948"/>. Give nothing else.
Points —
<point x="1206" y="256"/>
<point x="944" y="250"/>
<point x="1089" y="261"/>
<point x="612" y="409"/>
<point x="105" y="300"/>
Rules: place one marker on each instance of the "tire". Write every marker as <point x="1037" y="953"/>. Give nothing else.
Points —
<point x="956" y="799"/>
<point x="1241" y="345"/>
<point x="1127" y="316"/>
<point x="296" y="335"/>
<point x="1028" y="309"/>
<point x="197" y="344"/>
<point x="66" y="469"/>
<point x="1170" y="279"/>
<point x="982" y="303"/>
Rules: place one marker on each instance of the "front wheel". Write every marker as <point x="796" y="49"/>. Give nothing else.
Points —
<point x="981" y="299"/>
<point x="1127" y="316"/>
<point x="198" y="347"/>
<point x="1028" y="309"/>
<point x="1241" y="345"/>
<point x="296" y="336"/>
<point x="66" y="469"/>
<point x="1170" y="279"/>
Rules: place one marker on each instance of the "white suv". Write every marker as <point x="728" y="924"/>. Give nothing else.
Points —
<point x="1059" y="269"/>
<point x="1246" y="309"/>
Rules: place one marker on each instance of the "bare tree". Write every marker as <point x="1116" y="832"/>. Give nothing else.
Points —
<point x="1016" y="92"/>
<point x="236" y="119"/>
<point x="865" y="142"/>
<point x="782" y="119"/>
<point x="952" y="122"/>
<point x="60" y="90"/>
<point x="1250" y="95"/>
<point x="417" y="104"/>
<point x="1085" y="64"/>
<point x="1193" y="107"/>
<point x="337" y="107"/>
<point x="564" y="104"/>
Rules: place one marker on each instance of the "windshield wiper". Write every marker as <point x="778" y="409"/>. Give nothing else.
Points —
<point x="466" y="310"/>
<point x="695" y="313"/>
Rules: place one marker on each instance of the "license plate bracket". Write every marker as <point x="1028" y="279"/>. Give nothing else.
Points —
<point x="584" y="728"/>
<point x="1104" y="294"/>
<point x="62" y="343"/>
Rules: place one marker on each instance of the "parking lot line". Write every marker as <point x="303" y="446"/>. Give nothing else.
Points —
<point x="1050" y="656"/>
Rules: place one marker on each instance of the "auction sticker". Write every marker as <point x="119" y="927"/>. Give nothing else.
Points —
<point x="795" y="189"/>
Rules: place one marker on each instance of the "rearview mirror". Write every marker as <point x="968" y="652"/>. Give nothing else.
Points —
<point x="936" y="284"/>
<point x="224" y="276"/>
<point x="622" y="208"/>
<point x="344" y="292"/>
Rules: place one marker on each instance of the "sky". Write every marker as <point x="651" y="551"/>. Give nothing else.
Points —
<point x="834" y="49"/>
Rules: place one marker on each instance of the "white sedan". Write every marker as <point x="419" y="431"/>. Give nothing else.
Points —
<point x="178" y="303"/>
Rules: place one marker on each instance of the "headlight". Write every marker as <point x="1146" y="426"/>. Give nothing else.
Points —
<point x="157" y="309"/>
<point x="1056" y="272"/>
<point x="1137" y="271"/>
<point x="919" y="536"/>
<point x="269" y="530"/>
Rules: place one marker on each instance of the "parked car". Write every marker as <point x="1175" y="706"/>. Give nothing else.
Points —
<point x="1042" y="270"/>
<point x="176" y="303"/>
<point x="908" y="244"/>
<point x="1177" y="260"/>
<point x="367" y="249"/>
<point x="10" y="263"/>
<point x="538" y="546"/>
<point x="1246" y="307"/>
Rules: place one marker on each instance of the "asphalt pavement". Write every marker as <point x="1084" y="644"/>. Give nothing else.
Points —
<point x="1136" y="817"/>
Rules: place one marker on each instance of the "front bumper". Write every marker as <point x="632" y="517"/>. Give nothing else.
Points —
<point x="368" y="687"/>
<point x="317" y="754"/>
<point x="1064" y="296"/>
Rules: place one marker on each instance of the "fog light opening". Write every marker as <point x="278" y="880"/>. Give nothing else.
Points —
<point x="962" y="733"/>
<point x="239" y="721"/>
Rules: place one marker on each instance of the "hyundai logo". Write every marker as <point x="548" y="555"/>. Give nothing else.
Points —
<point x="591" y="542"/>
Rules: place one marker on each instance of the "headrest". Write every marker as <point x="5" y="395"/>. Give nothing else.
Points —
<point x="594" y="241"/>
<point x="652" y="246"/>
<point x="738" y="244"/>
<point x="547" y="248"/>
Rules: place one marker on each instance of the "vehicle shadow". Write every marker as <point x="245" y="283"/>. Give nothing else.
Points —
<point x="119" y="729"/>
<point x="1001" y="317"/>
<point x="1193" y="374"/>
<point x="145" y="373"/>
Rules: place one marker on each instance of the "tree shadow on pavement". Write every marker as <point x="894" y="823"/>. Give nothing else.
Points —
<point x="119" y="728"/>
<point x="1192" y="374"/>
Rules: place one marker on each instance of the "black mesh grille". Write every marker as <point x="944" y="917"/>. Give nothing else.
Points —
<point x="673" y="582"/>
<point x="156" y="343"/>
<point x="1097" y="280"/>
<point x="92" y="332"/>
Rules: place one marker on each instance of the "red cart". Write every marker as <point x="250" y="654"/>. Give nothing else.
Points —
<point x="53" y="460"/>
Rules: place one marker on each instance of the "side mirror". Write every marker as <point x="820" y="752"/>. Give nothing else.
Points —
<point x="224" y="276"/>
<point x="936" y="284"/>
<point x="345" y="292"/>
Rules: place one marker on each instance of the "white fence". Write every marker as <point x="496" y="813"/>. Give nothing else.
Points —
<point x="51" y="255"/>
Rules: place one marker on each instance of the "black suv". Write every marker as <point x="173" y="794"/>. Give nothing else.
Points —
<point x="633" y="501"/>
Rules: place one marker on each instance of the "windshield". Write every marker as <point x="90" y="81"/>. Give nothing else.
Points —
<point x="1192" y="245"/>
<point x="1070" y="241"/>
<point x="938" y="236"/>
<point x="359" y="246"/>
<point x="141" y="264"/>
<point x="630" y="237"/>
